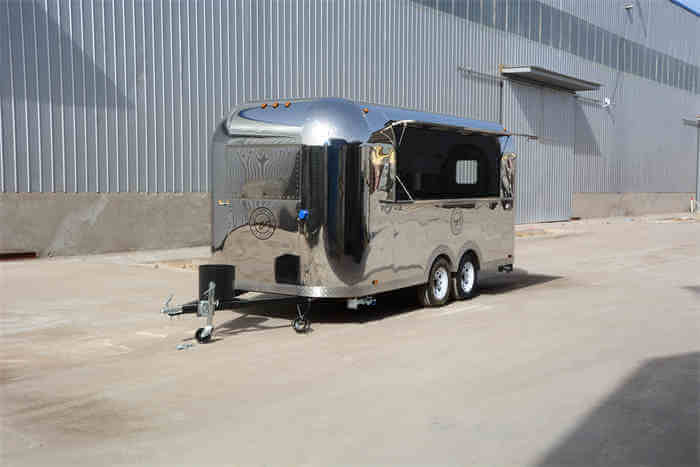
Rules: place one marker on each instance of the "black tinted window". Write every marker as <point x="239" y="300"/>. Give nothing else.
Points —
<point x="445" y="165"/>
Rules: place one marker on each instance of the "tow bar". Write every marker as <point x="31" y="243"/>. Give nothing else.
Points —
<point x="215" y="298"/>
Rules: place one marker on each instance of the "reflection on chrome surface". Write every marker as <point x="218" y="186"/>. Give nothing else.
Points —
<point x="365" y="231"/>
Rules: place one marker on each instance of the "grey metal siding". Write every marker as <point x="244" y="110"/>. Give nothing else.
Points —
<point x="542" y="121"/>
<point x="123" y="95"/>
<point x="596" y="168"/>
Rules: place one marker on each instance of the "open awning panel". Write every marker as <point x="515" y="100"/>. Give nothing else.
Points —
<point x="481" y="130"/>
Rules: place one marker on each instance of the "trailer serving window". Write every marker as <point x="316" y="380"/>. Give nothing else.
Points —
<point x="437" y="164"/>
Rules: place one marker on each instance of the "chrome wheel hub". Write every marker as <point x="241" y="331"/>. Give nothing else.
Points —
<point x="440" y="283"/>
<point x="466" y="277"/>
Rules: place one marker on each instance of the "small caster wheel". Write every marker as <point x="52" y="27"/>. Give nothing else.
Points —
<point x="300" y="325"/>
<point x="201" y="337"/>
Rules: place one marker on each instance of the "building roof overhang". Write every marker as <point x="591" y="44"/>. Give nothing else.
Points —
<point x="547" y="77"/>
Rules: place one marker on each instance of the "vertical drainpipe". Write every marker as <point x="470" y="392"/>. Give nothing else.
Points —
<point x="500" y="104"/>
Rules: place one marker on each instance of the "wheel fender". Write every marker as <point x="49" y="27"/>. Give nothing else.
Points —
<point x="442" y="250"/>
<point x="466" y="247"/>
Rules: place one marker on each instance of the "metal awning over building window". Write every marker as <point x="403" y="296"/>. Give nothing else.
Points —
<point x="547" y="77"/>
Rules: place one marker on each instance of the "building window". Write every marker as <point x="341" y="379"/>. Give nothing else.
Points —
<point x="535" y="21"/>
<point x="475" y="11"/>
<point x="524" y="18"/>
<point x="500" y="14"/>
<point x="592" y="49"/>
<point x="681" y="75"/>
<point x="557" y="27"/>
<point x="487" y="12"/>
<point x="461" y="10"/>
<point x="513" y="16"/>
<point x="582" y="37"/>
<point x="574" y="35"/>
<point x="663" y="78"/>
<point x="637" y="59"/>
<point x="607" y="42"/>
<point x="561" y="30"/>
<point x="598" y="44"/>
<point x="629" y="54"/>
<point x="546" y="24"/>
<point x="444" y="5"/>
<point x="643" y="58"/>
<point x="621" y="54"/>
<point x="588" y="40"/>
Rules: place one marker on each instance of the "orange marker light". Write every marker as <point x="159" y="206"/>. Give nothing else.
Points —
<point x="365" y="110"/>
<point x="287" y="104"/>
<point x="275" y="105"/>
<point x="263" y="105"/>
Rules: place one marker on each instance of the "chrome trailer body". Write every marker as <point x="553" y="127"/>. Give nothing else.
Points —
<point x="307" y="200"/>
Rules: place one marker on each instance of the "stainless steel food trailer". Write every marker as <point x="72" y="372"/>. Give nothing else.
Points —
<point x="328" y="198"/>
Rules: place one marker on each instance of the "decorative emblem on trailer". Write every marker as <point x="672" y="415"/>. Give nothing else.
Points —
<point x="262" y="223"/>
<point x="456" y="221"/>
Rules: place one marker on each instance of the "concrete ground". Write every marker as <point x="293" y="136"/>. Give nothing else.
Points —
<point x="587" y="355"/>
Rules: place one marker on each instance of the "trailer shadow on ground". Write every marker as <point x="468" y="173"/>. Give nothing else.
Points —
<point x="518" y="279"/>
<point x="389" y="304"/>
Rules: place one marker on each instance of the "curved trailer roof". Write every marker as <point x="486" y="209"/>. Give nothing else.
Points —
<point x="315" y="121"/>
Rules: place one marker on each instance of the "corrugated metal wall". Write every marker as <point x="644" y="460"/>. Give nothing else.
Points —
<point x="122" y="95"/>
<point x="543" y="122"/>
<point x="596" y="169"/>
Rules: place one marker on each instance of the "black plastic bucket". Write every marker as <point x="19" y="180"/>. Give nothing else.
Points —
<point x="223" y="275"/>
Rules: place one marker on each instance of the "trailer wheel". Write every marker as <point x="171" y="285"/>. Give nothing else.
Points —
<point x="465" y="284"/>
<point x="301" y="325"/>
<point x="201" y="337"/>
<point x="437" y="291"/>
<point x="423" y="295"/>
